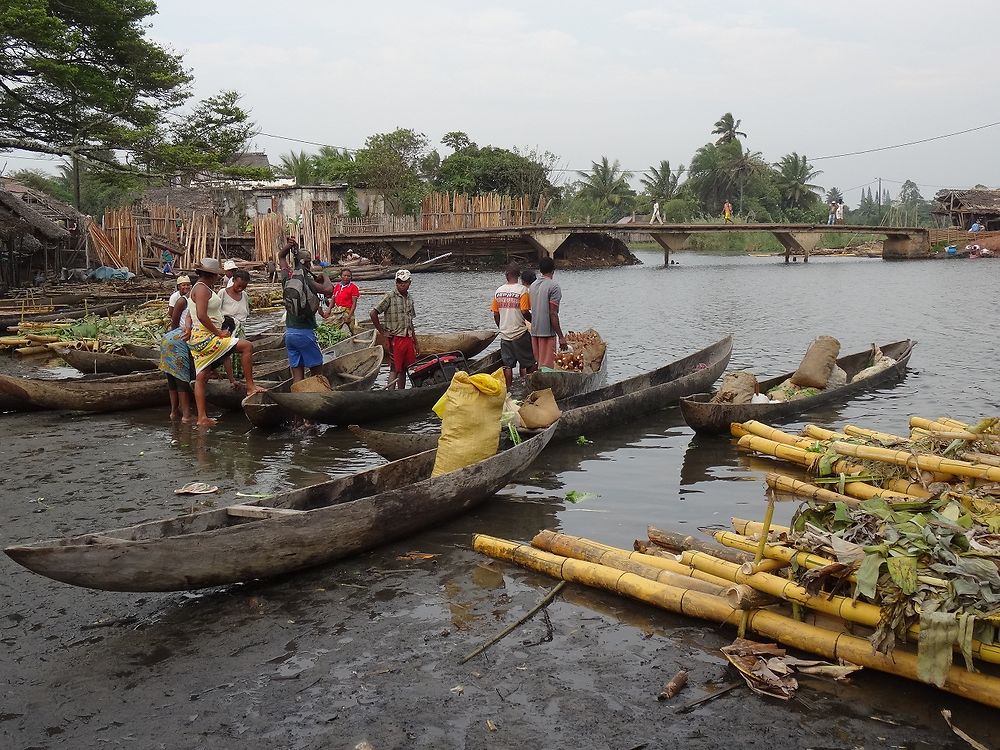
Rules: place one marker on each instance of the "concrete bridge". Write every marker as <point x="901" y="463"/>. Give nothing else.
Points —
<point x="797" y="239"/>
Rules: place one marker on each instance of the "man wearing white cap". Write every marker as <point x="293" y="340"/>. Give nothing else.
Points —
<point x="229" y="266"/>
<point x="398" y="312"/>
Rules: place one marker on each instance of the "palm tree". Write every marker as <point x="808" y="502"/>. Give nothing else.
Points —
<point x="833" y="195"/>
<point x="606" y="183"/>
<point x="743" y="167"/>
<point x="300" y="166"/>
<point x="793" y="179"/>
<point x="710" y="176"/>
<point x="333" y="165"/>
<point x="727" y="128"/>
<point x="660" y="182"/>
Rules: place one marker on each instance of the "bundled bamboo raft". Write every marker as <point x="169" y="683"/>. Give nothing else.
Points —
<point x="891" y="562"/>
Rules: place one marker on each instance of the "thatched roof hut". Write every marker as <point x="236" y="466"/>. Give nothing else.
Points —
<point x="963" y="207"/>
<point x="16" y="213"/>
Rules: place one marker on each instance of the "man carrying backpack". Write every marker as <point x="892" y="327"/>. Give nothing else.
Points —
<point x="300" y="291"/>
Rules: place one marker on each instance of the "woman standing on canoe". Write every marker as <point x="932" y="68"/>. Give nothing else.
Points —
<point x="208" y="343"/>
<point x="175" y="357"/>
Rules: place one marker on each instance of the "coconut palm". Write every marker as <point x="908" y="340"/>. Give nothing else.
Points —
<point x="660" y="182"/>
<point x="743" y="167"/>
<point x="299" y="166"/>
<point x="793" y="180"/>
<point x="606" y="183"/>
<point x="728" y="129"/>
<point x="833" y="195"/>
<point x="710" y="175"/>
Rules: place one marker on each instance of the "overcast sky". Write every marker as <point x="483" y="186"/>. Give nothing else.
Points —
<point x="635" y="81"/>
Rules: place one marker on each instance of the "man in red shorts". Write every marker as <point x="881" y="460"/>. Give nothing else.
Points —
<point x="398" y="312"/>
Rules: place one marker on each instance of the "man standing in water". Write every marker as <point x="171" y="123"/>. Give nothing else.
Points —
<point x="545" y="295"/>
<point x="398" y="313"/>
<point x="511" y="308"/>
<point x="300" y="291"/>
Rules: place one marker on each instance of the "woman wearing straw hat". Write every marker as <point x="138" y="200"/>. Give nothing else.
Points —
<point x="209" y="345"/>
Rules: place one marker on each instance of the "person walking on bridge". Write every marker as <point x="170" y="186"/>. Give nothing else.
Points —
<point x="656" y="218"/>
<point x="727" y="213"/>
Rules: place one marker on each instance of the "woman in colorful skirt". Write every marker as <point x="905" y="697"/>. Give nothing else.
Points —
<point x="175" y="358"/>
<point x="209" y="344"/>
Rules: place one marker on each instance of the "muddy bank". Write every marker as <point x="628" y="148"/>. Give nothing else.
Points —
<point x="369" y="648"/>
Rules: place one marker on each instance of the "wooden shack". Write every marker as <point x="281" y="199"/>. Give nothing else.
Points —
<point x="38" y="235"/>
<point x="961" y="208"/>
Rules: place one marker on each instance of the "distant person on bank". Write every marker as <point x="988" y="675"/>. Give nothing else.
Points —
<point x="727" y="212"/>
<point x="511" y="309"/>
<point x="300" y="325"/>
<point x="209" y="344"/>
<point x="546" y="295"/>
<point x="398" y="312"/>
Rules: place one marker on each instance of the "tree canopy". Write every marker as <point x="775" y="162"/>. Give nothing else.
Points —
<point x="81" y="79"/>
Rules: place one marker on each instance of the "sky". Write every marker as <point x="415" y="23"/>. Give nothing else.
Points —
<point x="635" y="81"/>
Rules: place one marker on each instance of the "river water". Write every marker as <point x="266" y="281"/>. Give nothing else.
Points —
<point x="71" y="473"/>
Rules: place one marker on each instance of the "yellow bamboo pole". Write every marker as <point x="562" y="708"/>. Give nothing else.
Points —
<point x="808" y="460"/>
<point x="953" y="423"/>
<point x="930" y="424"/>
<point x="753" y="427"/>
<point x="660" y="569"/>
<point x="782" y="483"/>
<point x="843" y="607"/>
<point x="819" y="433"/>
<point x="811" y="638"/>
<point x="882" y="437"/>
<point x="950" y="466"/>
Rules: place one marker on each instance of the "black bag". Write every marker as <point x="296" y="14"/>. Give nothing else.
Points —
<point x="300" y="299"/>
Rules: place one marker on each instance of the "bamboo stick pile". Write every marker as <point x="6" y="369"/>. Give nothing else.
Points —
<point x="268" y="235"/>
<point x="321" y="236"/>
<point x="120" y="228"/>
<point x="103" y="247"/>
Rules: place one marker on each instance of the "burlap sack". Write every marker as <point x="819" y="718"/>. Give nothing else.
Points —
<point x="737" y="388"/>
<point x="539" y="410"/>
<point x="815" y="368"/>
<point x="314" y="384"/>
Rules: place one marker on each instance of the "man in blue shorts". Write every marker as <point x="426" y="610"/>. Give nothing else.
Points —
<point x="301" y="289"/>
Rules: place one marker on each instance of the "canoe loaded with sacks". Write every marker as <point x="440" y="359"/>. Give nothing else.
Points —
<point x="356" y="371"/>
<point x="344" y="408"/>
<point x="271" y="536"/>
<point x="712" y="413"/>
<point x="269" y="374"/>
<point x="589" y="413"/>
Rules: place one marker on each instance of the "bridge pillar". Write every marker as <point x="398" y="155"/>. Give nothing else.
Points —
<point x="798" y="243"/>
<point x="407" y="248"/>
<point x="673" y="241"/>
<point x="909" y="245"/>
<point x="546" y="243"/>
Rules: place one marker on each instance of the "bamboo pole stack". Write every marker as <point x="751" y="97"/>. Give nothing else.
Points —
<point x="441" y="211"/>
<point x="573" y="559"/>
<point x="268" y="235"/>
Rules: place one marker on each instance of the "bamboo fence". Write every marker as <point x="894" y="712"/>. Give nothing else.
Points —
<point x="374" y="224"/>
<point x="462" y="211"/>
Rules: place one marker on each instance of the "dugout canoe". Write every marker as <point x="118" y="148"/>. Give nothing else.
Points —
<point x="470" y="343"/>
<point x="356" y="371"/>
<point x="358" y="407"/>
<point x="9" y="321"/>
<point x="589" y="413"/>
<point x="260" y="341"/>
<point x="91" y="363"/>
<point x="99" y="394"/>
<point x="272" y="536"/>
<point x="708" y="418"/>
<point x="269" y="374"/>
<point x="567" y="383"/>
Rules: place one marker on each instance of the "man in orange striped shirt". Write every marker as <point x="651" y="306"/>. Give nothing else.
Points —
<point x="511" y="308"/>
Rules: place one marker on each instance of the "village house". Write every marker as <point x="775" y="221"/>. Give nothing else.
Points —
<point x="961" y="208"/>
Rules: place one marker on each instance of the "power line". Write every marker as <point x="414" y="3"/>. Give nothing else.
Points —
<point x="310" y="143"/>
<point x="908" y="143"/>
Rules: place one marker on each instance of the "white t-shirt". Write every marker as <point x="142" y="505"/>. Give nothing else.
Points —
<point x="174" y="298"/>
<point x="511" y="302"/>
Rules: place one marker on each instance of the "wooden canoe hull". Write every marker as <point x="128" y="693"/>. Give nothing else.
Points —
<point x="362" y="368"/>
<point x="261" y="342"/>
<point x="358" y="407"/>
<point x="470" y="343"/>
<point x="75" y="314"/>
<point x="121" y="393"/>
<point x="589" y="413"/>
<point x="89" y="362"/>
<point x="343" y="517"/>
<point x="222" y="394"/>
<point x="708" y="418"/>
<point x="566" y="384"/>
